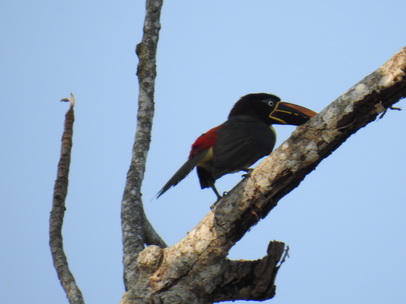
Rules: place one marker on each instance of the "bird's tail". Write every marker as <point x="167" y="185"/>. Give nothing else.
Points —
<point x="182" y="172"/>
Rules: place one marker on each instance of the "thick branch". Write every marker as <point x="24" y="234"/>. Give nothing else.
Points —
<point x="194" y="267"/>
<point x="310" y="144"/>
<point x="66" y="278"/>
<point x="132" y="214"/>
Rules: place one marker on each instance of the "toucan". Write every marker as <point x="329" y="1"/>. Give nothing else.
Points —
<point x="241" y="141"/>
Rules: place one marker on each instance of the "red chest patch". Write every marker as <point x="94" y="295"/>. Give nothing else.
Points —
<point x="204" y="141"/>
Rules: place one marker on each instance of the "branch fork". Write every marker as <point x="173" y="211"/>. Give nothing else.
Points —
<point x="196" y="270"/>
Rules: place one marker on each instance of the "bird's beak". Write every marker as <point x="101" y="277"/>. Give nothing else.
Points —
<point x="290" y="114"/>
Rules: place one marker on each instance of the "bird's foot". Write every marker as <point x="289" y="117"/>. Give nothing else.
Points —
<point x="248" y="174"/>
<point x="219" y="197"/>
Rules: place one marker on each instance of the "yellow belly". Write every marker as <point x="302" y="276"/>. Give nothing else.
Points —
<point x="207" y="161"/>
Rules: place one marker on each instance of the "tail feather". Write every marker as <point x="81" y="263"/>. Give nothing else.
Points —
<point x="182" y="172"/>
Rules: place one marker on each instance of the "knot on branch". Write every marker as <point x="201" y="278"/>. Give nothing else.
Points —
<point x="150" y="259"/>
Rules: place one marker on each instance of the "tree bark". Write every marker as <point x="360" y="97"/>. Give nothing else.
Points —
<point x="136" y="230"/>
<point x="60" y="260"/>
<point x="196" y="270"/>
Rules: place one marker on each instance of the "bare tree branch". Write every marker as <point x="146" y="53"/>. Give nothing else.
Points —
<point x="151" y="236"/>
<point x="191" y="270"/>
<point x="133" y="220"/>
<point x="251" y="280"/>
<point x="66" y="278"/>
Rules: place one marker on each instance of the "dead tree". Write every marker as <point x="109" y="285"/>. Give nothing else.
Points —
<point x="196" y="269"/>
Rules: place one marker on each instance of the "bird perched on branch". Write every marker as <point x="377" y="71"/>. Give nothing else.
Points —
<point x="242" y="140"/>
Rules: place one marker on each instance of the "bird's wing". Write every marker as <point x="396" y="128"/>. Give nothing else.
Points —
<point x="182" y="172"/>
<point x="240" y="143"/>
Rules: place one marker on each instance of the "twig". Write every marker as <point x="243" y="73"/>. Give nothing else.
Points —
<point x="390" y="108"/>
<point x="66" y="278"/>
<point x="284" y="256"/>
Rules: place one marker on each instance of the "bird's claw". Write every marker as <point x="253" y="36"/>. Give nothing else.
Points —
<point x="248" y="174"/>
<point x="225" y="193"/>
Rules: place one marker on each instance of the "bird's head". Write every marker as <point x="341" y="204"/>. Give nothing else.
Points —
<point x="270" y="109"/>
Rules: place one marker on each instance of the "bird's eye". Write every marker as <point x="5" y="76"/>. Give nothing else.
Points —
<point x="271" y="103"/>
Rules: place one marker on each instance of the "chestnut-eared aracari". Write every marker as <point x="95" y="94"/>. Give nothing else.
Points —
<point x="242" y="140"/>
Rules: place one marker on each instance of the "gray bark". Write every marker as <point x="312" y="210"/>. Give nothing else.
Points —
<point x="136" y="230"/>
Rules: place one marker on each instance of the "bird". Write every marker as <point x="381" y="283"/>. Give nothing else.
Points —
<point x="244" y="138"/>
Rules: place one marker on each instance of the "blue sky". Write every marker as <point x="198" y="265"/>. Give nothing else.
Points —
<point x="344" y="224"/>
